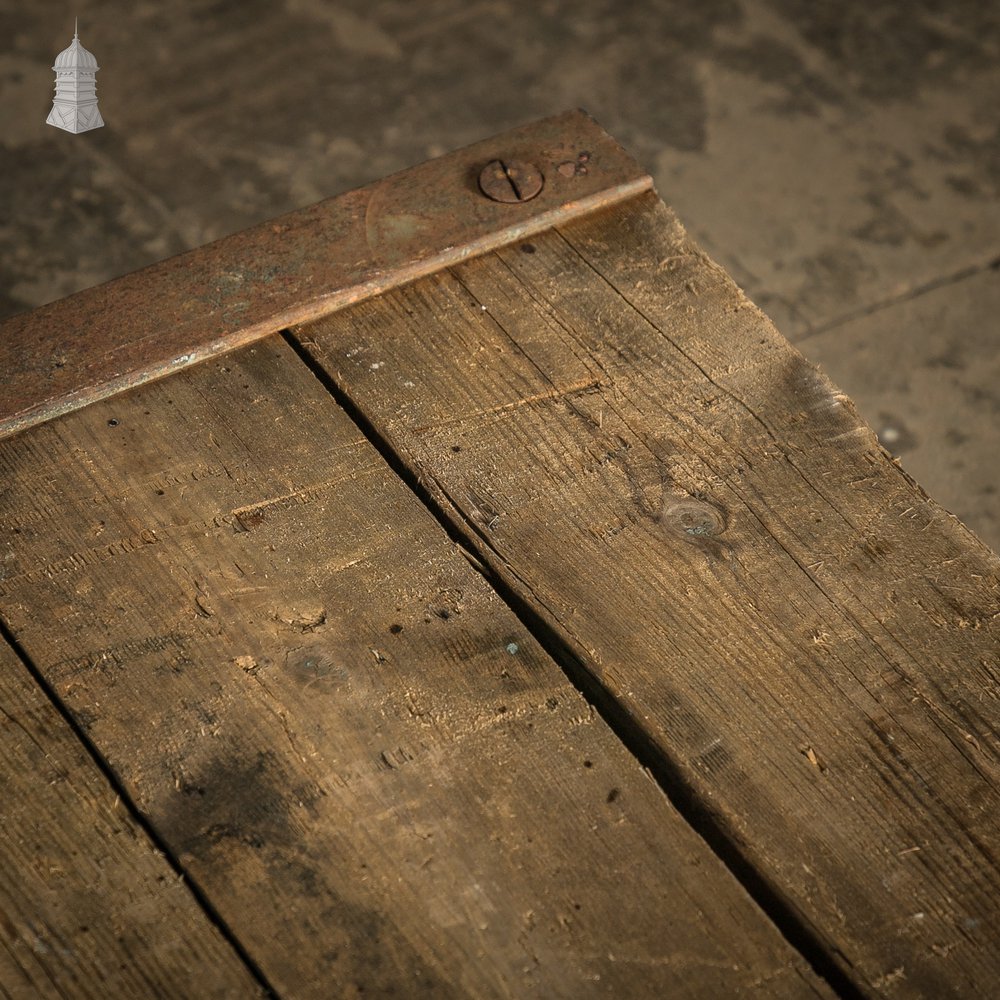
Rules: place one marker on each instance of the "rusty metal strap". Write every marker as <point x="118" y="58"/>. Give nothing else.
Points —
<point x="306" y="264"/>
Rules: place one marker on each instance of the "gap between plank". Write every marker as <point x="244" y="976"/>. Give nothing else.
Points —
<point x="136" y="814"/>
<point x="666" y="774"/>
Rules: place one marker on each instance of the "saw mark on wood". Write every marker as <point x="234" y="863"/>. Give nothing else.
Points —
<point x="566" y="392"/>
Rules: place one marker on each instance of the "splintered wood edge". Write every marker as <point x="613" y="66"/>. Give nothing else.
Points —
<point x="300" y="267"/>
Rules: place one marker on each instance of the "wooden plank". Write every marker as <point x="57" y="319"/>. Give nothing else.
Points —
<point x="809" y="642"/>
<point x="297" y="267"/>
<point x="375" y="773"/>
<point x="88" y="907"/>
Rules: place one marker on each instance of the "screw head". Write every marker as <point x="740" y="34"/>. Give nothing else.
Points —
<point x="510" y="180"/>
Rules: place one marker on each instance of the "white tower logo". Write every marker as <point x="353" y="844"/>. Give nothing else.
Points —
<point x="75" y="104"/>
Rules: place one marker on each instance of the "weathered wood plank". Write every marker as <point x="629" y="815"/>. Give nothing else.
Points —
<point x="698" y="513"/>
<point x="377" y="776"/>
<point x="88" y="907"/>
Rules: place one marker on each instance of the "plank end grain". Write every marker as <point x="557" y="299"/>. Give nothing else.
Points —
<point x="705" y="521"/>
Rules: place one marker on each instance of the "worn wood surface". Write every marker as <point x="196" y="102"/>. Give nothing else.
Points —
<point x="810" y="642"/>
<point x="88" y="907"/>
<point x="375" y="774"/>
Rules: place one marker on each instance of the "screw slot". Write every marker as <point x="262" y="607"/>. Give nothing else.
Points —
<point x="510" y="181"/>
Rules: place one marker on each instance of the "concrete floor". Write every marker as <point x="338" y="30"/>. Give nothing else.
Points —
<point x="841" y="159"/>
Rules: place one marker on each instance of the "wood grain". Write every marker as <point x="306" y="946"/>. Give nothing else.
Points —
<point x="88" y="907"/>
<point x="378" y="777"/>
<point x="810" y="641"/>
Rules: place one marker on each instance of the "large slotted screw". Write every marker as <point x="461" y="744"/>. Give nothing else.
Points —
<point x="510" y="180"/>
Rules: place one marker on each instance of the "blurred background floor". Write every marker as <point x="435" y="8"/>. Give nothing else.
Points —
<point x="840" y="159"/>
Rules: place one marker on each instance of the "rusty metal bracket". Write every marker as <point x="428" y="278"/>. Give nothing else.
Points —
<point x="301" y="266"/>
